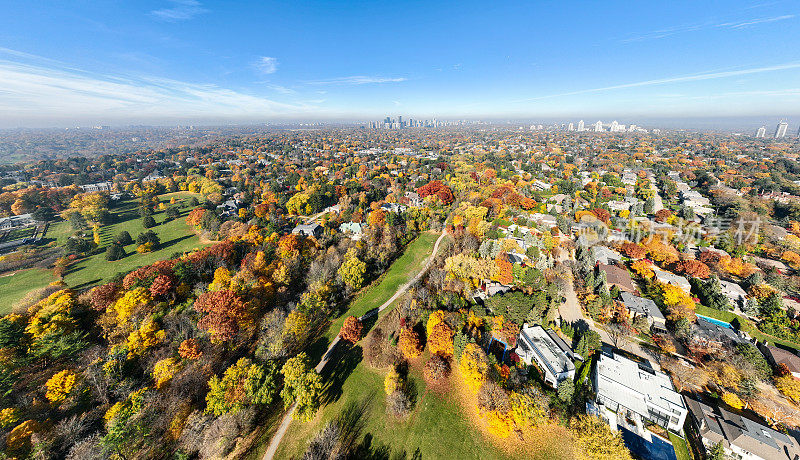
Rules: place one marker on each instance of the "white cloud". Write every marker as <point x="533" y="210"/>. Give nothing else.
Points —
<point x="181" y="10"/>
<point x="267" y="64"/>
<point x="281" y="89"/>
<point x="357" y="80"/>
<point x="681" y="79"/>
<point x="34" y="92"/>
<point x="668" y="32"/>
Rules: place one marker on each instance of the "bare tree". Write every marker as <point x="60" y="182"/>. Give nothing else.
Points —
<point x="619" y="333"/>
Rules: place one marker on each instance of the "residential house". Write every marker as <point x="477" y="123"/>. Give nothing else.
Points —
<point x="646" y="308"/>
<point x="617" y="276"/>
<point x="735" y="294"/>
<point x="354" y="229"/>
<point x="414" y="200"/>
<point x="710" y="334"/>
<point x="312" y="229"/>
<point x="22" y="220"/>
<point x="673" y="279"/>
<point x="777" y="356"/>
<point x="741" y="437"/>
<point x="549" y="353"/>
<point x="630" y="393"/>
<point x="96" y="187"/>
<point x="393" y="207"/>
<point x="606" y="255"/>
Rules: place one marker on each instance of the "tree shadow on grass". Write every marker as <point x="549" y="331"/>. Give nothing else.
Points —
<point x="87" y="284"/>
<point x="367" y="450"/>
<point x="173" y="241"/>
<point x="344" y="359"/>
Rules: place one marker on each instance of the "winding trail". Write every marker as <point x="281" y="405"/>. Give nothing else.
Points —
<point x="287" y="418"/>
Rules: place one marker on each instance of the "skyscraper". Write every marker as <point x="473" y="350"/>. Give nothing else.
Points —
<point x="762" y="132"/>
<point x="598" y="127"/>
<point x="580" y="125"/>
<point x="780" y="131"/>
<point x="570" y="127"/>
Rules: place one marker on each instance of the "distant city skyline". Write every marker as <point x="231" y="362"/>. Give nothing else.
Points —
<point x="164" y="62"/>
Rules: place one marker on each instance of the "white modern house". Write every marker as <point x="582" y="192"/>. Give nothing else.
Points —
<point x="548" y="351"/>
<point x="630" y="393"/>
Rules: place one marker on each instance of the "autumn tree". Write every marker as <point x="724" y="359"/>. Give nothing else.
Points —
<point x="223" y="311"/>
<point x="474" y="367"/>
<point x="693" y="268"/>
<point x="243" y="384"/>
<point x="301" y="385"/>
<point x="440" y="340"/>
<point x="409" y="343"/>
<point x="351" y="329"/>
<point x="633" y="250"/>
<point x="595" y="440"/>
<point x="352" y="271"/>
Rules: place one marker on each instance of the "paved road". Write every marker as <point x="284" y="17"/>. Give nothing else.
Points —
<point x="287" y="418"/>
<point x="570" y="310"/>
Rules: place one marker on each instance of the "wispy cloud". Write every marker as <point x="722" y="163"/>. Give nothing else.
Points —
<point x="679" y="79"/>
<point x="267" y="64"/>
<point x="47" y="93"/>
<point x="668" y="32"/>
<point x="181" y="10"/>
<point x="280" y="88"/>
<point x="357" y="80"/>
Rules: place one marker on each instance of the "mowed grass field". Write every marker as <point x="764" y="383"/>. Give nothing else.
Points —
<point x="176" y="237"/>
<point x="15" y="286"/>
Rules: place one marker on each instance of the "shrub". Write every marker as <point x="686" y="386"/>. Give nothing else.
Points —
<point x="115" y="252"/>
<point x="436" y="369"/>
<point x="398" y="404"/>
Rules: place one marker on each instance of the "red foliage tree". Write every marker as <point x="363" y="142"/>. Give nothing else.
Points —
<point x="663" y="214"/>
<point x="103" y="295"/>
<point x="602" y="215"/>
<point x="351" y="330"/>
<point x="633" y="250"/>
<point x="223" y="312"/>
<point x="693" y="267"/>
<point x="162" y="285"/>
<point x="437" y="188"/>
<point x="195" y="216"/>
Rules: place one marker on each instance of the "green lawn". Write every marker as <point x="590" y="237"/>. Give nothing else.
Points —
<point x="176" y="236"/>
<point x="681" y="448"/>
<point x="402" y="270"/>
<point x="14" y="287"/>
<point x="59" y="231"/>
<point x="745" y="325"/>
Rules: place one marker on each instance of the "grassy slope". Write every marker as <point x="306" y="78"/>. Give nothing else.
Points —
<point x="437" y="426"/>
<point x="402" y="270"/>
<point x="176" y="236"/>
<point x="14" y="287"/>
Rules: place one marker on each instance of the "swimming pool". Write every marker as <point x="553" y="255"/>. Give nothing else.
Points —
<point x="716" y="321"/>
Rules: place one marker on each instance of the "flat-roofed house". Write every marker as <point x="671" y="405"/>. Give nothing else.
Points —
<point x="634" y="392"/>
<point x="548" y="351"/>
<point x="741" y="438"/>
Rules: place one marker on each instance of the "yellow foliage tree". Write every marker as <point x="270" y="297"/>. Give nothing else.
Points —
<point x="732" y="400"/>
<point x="146" y="336"/>
<point x="474" y="367"/>
<point x="60" y="385"/>
<point x="164" y="370"/>
<point x="392" y="382"/>
<point x="789" y="387"/>
<point x="130" y="302"/>
<point x="595" y="440"/>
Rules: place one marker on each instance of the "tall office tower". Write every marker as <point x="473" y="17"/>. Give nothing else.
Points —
<point x="400" y="121"/>
<point x="598" y="127"/>
<point x="780" y="131"/>
<point x="631" y="128"/>
<point x="614" y="126"/>
<point x="762" y="132"/>
<point x="580" y="125"/>
<point x="570" y="127"/>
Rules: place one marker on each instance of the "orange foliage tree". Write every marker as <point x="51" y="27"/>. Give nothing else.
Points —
<point x="351" y="330"/>
<point x="633" y="250"/>
<point x="409" y="343"/>
<point x="440" y="341"/>
<point x="223" y="312"/>
<point x="694" y="268"/>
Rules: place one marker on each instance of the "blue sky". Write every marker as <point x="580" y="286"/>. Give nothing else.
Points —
<point x="166" y="61"/>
